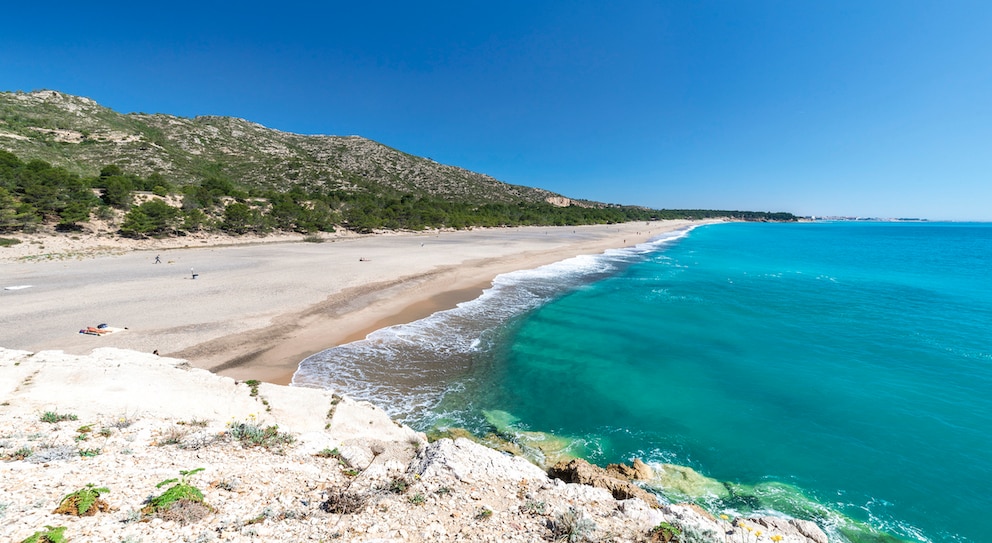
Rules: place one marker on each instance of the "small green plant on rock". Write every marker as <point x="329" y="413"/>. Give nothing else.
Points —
<point x="331" y="453"/>
<point x="21" y="454"/>
<point x="182" y="502"/>
<point x="84" y="502"/>
<point x="418" y="499"/>
<point x="48" y="535"/>
<point x="665" y="532"/>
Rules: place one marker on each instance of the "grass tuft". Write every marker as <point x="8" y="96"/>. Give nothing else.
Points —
<point x="53" y="417"/>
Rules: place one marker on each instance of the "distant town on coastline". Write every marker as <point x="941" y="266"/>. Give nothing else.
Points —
<point x="67" y="164"/>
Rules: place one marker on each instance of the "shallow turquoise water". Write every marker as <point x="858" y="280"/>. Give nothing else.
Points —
<point x="851" y="361"/>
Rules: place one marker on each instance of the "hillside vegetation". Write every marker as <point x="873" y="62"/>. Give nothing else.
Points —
<point x="65" y="160"/>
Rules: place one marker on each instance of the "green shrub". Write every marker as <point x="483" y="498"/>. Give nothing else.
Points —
<point x="180" y="491"/>
<point x="7" y="242"/>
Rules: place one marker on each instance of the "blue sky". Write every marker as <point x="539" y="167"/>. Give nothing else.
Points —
<point x="870" y="108"/>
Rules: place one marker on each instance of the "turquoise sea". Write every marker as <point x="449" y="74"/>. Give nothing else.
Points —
<point x="840" y="372"/>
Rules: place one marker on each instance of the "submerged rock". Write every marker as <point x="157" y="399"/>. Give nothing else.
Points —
<point x="541" y="447"/>
<point x="687" y="483"/>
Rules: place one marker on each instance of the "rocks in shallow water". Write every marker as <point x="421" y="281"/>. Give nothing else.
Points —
<point x="687" y="482"/>
<point x="540" y="447"/>
<point x="638" y="471"/>
<point x="582" y="472"/>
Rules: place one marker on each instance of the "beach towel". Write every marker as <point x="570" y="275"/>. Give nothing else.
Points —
<point x="101" y="330"/>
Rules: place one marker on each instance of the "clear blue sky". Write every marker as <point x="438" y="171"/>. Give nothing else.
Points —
<point x="871" y="108"/>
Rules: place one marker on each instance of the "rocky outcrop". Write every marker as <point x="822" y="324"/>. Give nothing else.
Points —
<point x="792" y="527"/>
<point x="637" y="471"/>
<point x="469" y="462"/>
<point x="582" y="472"/>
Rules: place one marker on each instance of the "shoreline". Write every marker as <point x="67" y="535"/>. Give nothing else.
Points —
<point x="251" y="312"/>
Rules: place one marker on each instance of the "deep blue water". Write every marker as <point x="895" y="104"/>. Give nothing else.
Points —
<point x="835" y="371"/>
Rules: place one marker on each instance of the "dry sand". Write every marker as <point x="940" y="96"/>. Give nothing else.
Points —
<point x="255" y="310"/>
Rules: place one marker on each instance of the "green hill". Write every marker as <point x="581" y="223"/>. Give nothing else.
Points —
<point x="65" y="160"/>
<point x="82" y="136"/>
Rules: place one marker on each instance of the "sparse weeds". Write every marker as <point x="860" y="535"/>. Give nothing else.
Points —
<point x="533" y="507"/>
<point x="253" y="385"/>
<point x="484" y="513"/>
<point x="250" y="434"/>
<point x="335" y="400"/>
<point x="199" y="423"/>
<point x="54" y="417"/>
<point x="89" y="453"/>
<point x="84" y="502"/>
<point x="417" y="499"/>
<point x="342" y="501"/>
<point x="398" y="485"/>
<point x="571" y="525"/>
<point x="693" y="534"/>
<point x="21" y="454"/>
<point x="230" y="484"/>
<point x="173" y="436"/>
<point x="123" y="422"/>
<point x="53" y="454"/>
<point x="331" y="453"/>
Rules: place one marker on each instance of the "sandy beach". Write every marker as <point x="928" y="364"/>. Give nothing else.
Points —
<point x="279" y="463"/>
<point x="255" y="310"/>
